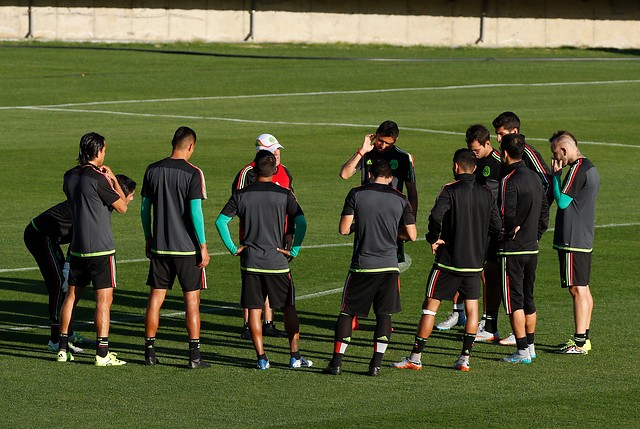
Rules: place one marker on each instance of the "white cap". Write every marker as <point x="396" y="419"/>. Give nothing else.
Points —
<point x="267" y="142"/>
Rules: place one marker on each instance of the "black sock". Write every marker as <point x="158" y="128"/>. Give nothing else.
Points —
<point x="295" y="355"/>
<point x="64" y="343"/>
<point x="531" y="337"/>
<point x="418" y="344"/>
<point x="587" y="334"/>
<point x="491" y="325"/>
<point x="381" y="338"/>
<point x="194" y="348"/>
<point x="521" y="343"/>
<point x="467" y="343"/>
<point x="263" y="356"/>
<point x="580" y="339"/>
<point x="103" y="346"/>
<point x="149" y="347"/>
<point x="341" y="338"/>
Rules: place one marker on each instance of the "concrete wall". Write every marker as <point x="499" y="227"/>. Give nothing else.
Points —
<point x="521" y="23"/>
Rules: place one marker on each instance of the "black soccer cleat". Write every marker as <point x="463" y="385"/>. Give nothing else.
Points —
<point x="374" y="371"/>
<point x="270" y="330"/>
<point x="198" y="364"/>
<point x="150" y="358"/>
<point x="333" y="370"/>
<point x="245" y="334"/>
<point x="150" y="361"/>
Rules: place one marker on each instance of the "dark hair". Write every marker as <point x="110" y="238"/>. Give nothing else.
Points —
<point x="265" y="163"/>
<point x="380" y="168"/>
<point x="466" y="159"/>
<point x="478" y="133"/>
<point x="388" y="129"/>
<point x="127" y="184"/>
<point x="507" y="120"/>
<point x="181" y="135"/>
<point x="561" y="133"/>
<point x="513" y="144"/>
<point x="90" y="145"/>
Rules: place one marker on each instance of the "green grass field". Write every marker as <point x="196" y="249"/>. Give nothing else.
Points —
<point x="319" y="109"/>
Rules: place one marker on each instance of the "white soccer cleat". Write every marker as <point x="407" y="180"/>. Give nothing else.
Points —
<point x="509" y="341"/>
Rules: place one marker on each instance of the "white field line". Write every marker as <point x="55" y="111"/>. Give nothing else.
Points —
<point x="305" y="124"/>
<point x="317" y="93"/>
<point x="65" y="107"/>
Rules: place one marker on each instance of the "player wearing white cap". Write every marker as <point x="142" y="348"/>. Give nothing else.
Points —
<point x="245" y="177"/>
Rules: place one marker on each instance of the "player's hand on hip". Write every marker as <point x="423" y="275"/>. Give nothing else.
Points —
<point x="286" y="253"/>
<point x="240" y="249"/>
<point x="435" y="245"/>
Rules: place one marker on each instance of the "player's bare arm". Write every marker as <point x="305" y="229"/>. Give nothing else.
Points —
<point x="346" y="222"/>
<point x="407" y="232"/>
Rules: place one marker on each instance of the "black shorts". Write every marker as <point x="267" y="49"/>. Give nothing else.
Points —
<point x="163" y="271"/>
<point x="444" y="284"/>
<point x="363" y="289"/>
<point x="99" y="270"/>
<point x="257" y="286"/>
<point x="575" y="268"/>
<point x="518" y="274"/>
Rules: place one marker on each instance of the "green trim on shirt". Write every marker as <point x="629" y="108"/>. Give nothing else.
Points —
<point x="459" y="270"/>
<point x="572" y="249"/>
<point x="375" y="270"/>
<point x="265" y="271"/>
<point x="522" y="252"/>
<point x="91" y="255"/>
<point x="173" y="252"/>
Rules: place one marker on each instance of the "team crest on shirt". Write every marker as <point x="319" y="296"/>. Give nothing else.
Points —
<point x="486" y="171"/>
<point x="369" y="162"/>
<point x="393" y="164"/>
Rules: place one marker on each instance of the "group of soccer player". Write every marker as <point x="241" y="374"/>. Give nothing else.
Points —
<point x="483" y="229"/>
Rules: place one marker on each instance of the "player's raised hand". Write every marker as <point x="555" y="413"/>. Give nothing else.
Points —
<point x="367" y="144"/>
